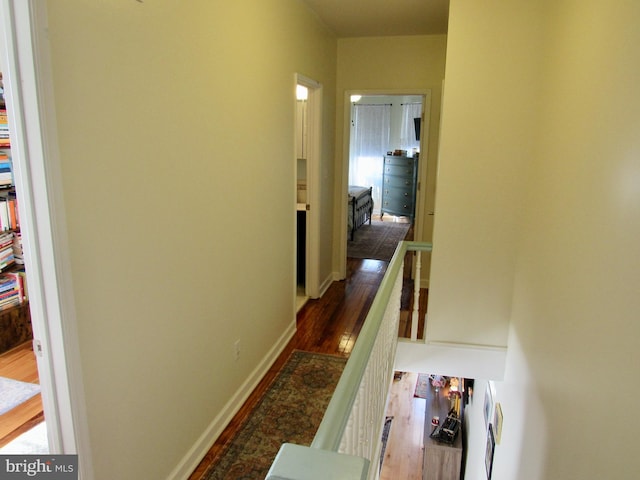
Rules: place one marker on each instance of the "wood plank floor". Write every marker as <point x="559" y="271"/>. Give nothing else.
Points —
<point x="403" y="455"/>
<point x="20" y="364"/>
<point x="331" y="325"/>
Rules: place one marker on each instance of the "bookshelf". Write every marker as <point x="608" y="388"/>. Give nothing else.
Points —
<point x="15" y="319"/>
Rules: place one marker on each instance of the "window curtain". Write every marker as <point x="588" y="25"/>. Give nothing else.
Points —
<point x="407" y="127"/>
<point x="370" y="129"/>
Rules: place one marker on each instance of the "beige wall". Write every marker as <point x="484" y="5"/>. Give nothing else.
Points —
<point x="577" y="287"/>
<point x="404" y="64"/>
<point x="176" y="126"/>
<point x="539" y="217"/>
<point x="491" y="92"/>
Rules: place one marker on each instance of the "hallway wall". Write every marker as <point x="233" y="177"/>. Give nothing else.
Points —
<point x="536" y="242"/>
<point x="179" y="187"/>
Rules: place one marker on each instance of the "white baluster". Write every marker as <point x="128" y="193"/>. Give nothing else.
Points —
<point x="416" y="299"/>
<point x="362" y="433"/>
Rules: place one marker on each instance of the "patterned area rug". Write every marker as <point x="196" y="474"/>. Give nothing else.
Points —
<point x="13" y="393"/>
<point x="385" y="438"/>
<point x="377" y="241"/>
<point x="290" y="411"/>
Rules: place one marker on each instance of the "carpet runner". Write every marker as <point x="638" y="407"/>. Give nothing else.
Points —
<point x="377" y="241"/>
<point x="290" y="412"/>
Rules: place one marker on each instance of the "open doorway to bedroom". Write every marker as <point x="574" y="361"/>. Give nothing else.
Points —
<point x="383" y="172"/>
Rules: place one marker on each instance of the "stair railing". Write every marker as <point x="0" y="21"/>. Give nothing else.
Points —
<point x="348" y="442"/>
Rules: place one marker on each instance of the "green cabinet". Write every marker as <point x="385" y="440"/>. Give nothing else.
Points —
<point x="399" y="186"/>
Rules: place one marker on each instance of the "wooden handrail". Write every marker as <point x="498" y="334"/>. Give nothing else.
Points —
<point x="351" y="410"/>
<point x="332" y="427"/>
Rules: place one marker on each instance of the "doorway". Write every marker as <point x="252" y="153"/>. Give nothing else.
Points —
<point x="381" y="126"/>
<point x="28" y="92"/>
<point x="22" y="405"/>
<point x="402" y="123"/>
<point x="307" y="147"/>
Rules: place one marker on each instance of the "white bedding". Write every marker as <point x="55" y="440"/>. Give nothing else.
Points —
<point x="355" y="191"/>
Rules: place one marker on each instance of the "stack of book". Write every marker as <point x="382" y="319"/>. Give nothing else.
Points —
<point x="12" y="289"/>
<point x="5" y="142"/>
<point x="7" y="258"/>
<point x="6" y="171"/>
<point x="9" y="219"/>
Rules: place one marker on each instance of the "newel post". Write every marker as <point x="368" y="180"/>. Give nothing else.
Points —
<point x="295" y="462"/>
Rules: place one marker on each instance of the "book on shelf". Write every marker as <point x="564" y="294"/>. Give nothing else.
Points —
<point x="6" y="252"/>
<point x="7" y="282"/>
<point x="21" y="278"/>
<point x="14" y="302"/>
<point x="6" y="238"/>
<point x="9" y="219"/>
<point x="10" y="294"/>
<point x="17" y="248"/>
<point x="5" y="218"/>
<point x="6" y="255"/>
<point x="11" y="301"/>
<point x="7" y="263"/>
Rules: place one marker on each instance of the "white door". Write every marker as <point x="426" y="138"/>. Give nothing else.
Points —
<point x="310" y="149"/>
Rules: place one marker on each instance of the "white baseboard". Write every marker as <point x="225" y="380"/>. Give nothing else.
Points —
<point x="324" y="286"/>
<point x="196" y="453"/>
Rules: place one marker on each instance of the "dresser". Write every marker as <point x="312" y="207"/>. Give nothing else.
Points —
<point x="399" y="186"/>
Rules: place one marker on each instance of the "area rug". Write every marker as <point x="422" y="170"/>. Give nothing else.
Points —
<point x="385" y="437"/>
<point x="422" y="386"/>
<point x="13" y="393"/>
<point x="289" y="412"/>
<point x="377" y="241"/>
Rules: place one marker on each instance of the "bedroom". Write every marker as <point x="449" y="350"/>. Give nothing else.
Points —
<point x="384" y="147"/>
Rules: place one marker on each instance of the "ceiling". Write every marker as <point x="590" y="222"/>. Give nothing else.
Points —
<point x="378" y="18"/>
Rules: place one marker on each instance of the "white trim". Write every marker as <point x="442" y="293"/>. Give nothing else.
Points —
<point x="477" y="346"/>
<point x="326" y="283"/>
<point x="344" y="186"/>
<point x="194" y="456"/>
<point x="29" y="95"/>
<point x="314" y="142"/>
<point x="451" y="359"/>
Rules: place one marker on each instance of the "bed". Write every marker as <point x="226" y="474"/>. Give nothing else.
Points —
<point x="360" y="207"/>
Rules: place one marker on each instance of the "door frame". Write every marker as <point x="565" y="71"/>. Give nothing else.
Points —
<point x="32" y="121"/>
<point x="314" y="130"/>
<point x="422" y="164"/>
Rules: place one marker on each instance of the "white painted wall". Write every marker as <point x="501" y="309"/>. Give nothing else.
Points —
<point x="536" y="243"/>
<point x="491" y="97"/>
<point x="179" y="184"/>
